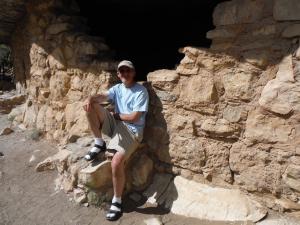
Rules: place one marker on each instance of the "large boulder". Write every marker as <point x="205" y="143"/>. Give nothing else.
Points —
<point x="259" y="167"/>
<point x="267" y="128"/>
<point x="291" y="177"/>
<point x="141" y="171"/>
<point x="57" y="161"/>
<point x="163" y="79"/>
<point x="220" y="128"/>
<point x="76" y="122"/>
<point x="291" y="31"/>
<point x="241" y="12"/>
<point x="198" y="90"/>
<point x="238" y="85"/>
<point x="281" y="95"/>
<point x="285" y="10"/>
<point x="189" y="198"/>
<point x="96" y="175"/>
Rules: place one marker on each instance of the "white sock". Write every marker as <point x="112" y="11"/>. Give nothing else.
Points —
<point x="99" y="141"/>
<point x="118" y="200"/>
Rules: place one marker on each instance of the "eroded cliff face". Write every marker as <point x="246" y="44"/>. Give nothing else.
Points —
<point x="231" y="112"/>
<point x="57" y="65"/>
<point x="228" y="114"/>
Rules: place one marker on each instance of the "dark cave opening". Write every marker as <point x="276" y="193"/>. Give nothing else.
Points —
<point x="149" y="33"/>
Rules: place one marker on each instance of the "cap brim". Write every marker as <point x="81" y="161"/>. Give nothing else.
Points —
<point x="125" y="66"/>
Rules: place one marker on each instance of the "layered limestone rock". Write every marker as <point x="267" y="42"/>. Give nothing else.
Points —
<point x="231" y="113"/>
<point x="52" y="58"/>
<point x="227" y="115"/>
<point x="10" y="13"/>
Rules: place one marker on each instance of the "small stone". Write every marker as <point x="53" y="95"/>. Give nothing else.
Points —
<point x="73" y="138"/>
<point x="79" y="195"/>
<point x="34" y="134"/>
<point x="153" y="221"/>
<point x="1" y="154"/>
<point x="56" y="60"/>
<point x="67" y="185"/>
<point x="288" y="204"/>
<point x="220" y="128"/>
<point x="86" y="204"/>
<point x="232" y="114"/>
<point x="16" y="113"/>
<point x="32" y="159"/>
<point x="6" y="131"/>
<point x="166" y="96"/>
<point x="57" y="28"/>
<point x="35" y="157"/>
<point x="81" y="199"/>
<point x="22" y="127"/>
<point x="291" y="31"/>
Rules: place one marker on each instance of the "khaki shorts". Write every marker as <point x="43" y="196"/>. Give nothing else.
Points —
<point x="121" y="138"/>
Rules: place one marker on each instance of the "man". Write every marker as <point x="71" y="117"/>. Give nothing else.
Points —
<point x="124" y="126"/>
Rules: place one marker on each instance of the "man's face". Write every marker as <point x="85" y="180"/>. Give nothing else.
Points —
<point x="126" y="74"/>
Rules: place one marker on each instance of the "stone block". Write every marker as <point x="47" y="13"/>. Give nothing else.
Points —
<point x="286" y="10"/>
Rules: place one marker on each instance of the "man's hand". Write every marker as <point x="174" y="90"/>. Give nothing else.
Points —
<point x="88" y="104"/>
<point x="131" y="118"/>
<point x="116" y="115"/>
<point x="94" y="98"/>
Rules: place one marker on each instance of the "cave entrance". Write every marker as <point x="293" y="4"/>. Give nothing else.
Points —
<point x="6" y="69"/>
<point x="150" y="32"/>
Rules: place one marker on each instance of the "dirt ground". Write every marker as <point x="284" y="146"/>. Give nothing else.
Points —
<point x="29" y="198"/>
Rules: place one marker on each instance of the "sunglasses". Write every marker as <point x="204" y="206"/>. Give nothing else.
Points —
<point x="127" y="70"/>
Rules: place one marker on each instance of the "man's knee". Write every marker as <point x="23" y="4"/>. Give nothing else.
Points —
<point x="92" y="110"/>
<point x="117" y="164"/>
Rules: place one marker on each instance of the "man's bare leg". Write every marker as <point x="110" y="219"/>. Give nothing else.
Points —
<point x="118" y="174"/>
<point x="95" y="118"/>
<point x="118" y="178"/>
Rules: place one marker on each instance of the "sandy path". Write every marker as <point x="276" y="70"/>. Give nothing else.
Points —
<point x="29" y="198"/>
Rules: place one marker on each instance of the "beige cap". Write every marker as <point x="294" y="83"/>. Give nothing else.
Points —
<point x="126" y="63"/>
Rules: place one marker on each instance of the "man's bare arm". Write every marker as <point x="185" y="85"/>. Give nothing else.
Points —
<point x="99" y="98"/>
<point x="131" y="118"/>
